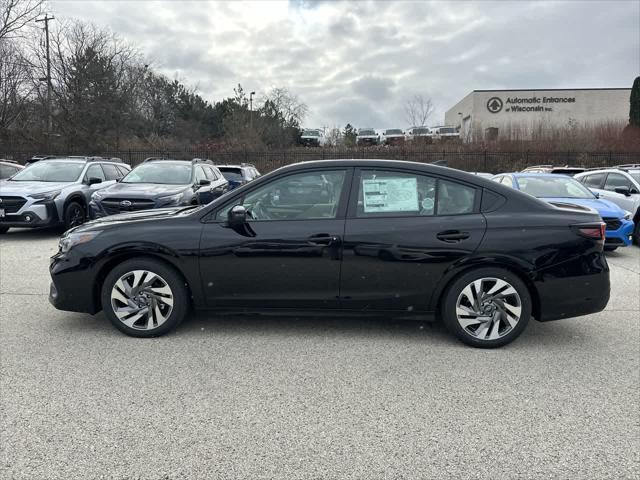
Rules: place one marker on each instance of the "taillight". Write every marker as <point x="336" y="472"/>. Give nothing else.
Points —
<point x="594" y="231"/>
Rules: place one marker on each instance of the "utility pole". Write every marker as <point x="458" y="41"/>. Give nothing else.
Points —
<point x="48" y="77"/>
<point x="251" y="109"/>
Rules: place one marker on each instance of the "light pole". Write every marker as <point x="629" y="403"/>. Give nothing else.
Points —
<point x="48" y="77"/>
<point x="251" y="109"/>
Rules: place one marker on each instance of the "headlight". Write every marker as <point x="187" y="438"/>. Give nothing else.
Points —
<point x="72" y="239"/>
<point x="46" y="195"/>
<point x="627" y="215"/>
<point x="170" y="200"/>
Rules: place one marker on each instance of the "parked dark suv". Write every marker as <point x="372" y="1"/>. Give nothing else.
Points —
<point x="159" y="183"/>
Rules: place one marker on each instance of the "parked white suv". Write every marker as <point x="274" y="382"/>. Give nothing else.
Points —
<point x="621" y="185"/>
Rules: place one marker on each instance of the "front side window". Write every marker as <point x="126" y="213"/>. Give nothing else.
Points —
<point x="111" y="172"/>
<point x="304" y="196"/>
<point x="593" y="181"/>
<point x="616" y="180"/>
<point x="200" y="175"/>
<point x="55" y="171"/>
<point x="95" y="171"/>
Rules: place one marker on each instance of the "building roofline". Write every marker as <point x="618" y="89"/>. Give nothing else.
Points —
<point x="551" y="89"/>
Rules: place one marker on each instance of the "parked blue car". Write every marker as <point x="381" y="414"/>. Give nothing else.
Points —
<point x="552" y="187"/>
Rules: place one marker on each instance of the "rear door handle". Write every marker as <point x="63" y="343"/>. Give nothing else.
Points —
<point x="324" y="239"/>
<point x="452" y="236"/>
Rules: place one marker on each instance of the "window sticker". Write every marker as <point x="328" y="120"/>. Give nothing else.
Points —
<point x="390" y="195"/>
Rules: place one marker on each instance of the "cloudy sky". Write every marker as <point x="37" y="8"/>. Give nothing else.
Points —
<point x="360" y="61"/>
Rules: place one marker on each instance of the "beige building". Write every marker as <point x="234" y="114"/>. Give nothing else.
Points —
<point x="516" y="113"/>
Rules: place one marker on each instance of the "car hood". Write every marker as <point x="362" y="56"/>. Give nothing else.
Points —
<point x="130" y="217"/>
<point x="11" y="187"/>
<point x="145" y="190"/>
<point x="604" y="207"/>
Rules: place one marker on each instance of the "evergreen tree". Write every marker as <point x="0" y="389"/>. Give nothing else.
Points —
<point x="349" y="135"/>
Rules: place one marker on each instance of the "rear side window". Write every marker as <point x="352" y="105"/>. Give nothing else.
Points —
<point x="455" y="198"/>
<point x="387" y="193"/>
<point x="6" y="171"/>
<point x="616" y="180"/>
<point x="593" y="180"/>
<point x="209" y="172"/>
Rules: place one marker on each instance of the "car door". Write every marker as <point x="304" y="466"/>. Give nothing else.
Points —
<point x="404" y="230"/>
<point x="288" y="254"/>
<point x="94" y="171"/>
<point x="614" y="180"/>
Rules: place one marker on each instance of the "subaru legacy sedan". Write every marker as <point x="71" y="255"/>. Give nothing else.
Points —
<point x="367" y="237"/>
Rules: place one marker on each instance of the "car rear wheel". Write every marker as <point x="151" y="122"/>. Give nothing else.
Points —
<point x="487" y="308"/>
<point x="144" y="298"/>
<point x="74" y="215"/>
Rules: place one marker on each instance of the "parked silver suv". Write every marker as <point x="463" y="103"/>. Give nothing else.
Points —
<point x="55" y="192"/>
<point x="620" y="185"/>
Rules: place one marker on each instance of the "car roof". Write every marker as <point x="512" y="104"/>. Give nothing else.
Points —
<point x="538" y="174"/>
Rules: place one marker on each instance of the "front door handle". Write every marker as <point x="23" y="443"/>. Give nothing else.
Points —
<point x="324" y="239"/>
<point x="452" y="236"/>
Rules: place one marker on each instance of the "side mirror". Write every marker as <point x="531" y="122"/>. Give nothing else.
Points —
<point x="626" y="191"/>
<point x="204" y="182"/>
<point x="237" y="216"/>
<point x="94" y="180"/>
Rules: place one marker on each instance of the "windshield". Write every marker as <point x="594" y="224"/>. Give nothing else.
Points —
<point x="420" y="131"/>
<point x="367" y="132"/>
<point x="447" y="130"/>
<point x="395" y="131"/>
<point x="50" y="172"/>
<point x="547" y="187"/>
<point x="311" y="133"/>
<point x="160" y="172"/>
<point x="231" y="173"/>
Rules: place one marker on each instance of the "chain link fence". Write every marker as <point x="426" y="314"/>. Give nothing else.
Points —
<point x="268" y="160"/>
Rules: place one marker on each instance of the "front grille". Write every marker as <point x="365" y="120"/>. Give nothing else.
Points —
<point x="612" y="223"/>
<point x="12" y="204"/>
<point x="115" y="205"/>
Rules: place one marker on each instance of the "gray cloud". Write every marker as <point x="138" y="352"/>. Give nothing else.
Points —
<point x="359" y="61"/>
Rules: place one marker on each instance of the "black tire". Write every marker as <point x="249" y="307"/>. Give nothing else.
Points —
<point x="455" y="290"/>
<point x="636" y="232"/>
<point x="4" y="230"/>
<point x="168" y="275"/>
<point x="74" y="215"/>
<point x="609" y="249"/>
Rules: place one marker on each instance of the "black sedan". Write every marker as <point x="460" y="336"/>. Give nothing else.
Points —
<point x="373" y="237"/>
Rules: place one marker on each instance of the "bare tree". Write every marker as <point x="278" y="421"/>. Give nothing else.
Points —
<point x="288" y="104"/>
<point x="15" y="84"/>
<point x="15" y="14"/>
<point x="334" y="137"/>
<point x="418" y="110"/>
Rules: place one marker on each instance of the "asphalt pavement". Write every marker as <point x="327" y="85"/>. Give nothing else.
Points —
<point x="307" y="398"/>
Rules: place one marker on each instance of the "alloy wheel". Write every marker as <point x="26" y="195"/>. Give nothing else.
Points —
<point x="142" y="300"/>
<point x="488" y="308"/>
<point x="76" y="216"/>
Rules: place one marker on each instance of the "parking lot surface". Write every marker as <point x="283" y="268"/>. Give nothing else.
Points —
<point x="250" y="398"/>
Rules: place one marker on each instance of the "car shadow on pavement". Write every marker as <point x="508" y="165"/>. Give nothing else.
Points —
<point x="201" y="325"/>
<point x="31" y="234"/>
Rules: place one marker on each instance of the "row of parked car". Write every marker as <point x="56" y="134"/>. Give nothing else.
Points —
<point x="390" y="137"/>
<point x="67" y="191"/>
<point x="613" y="192"/>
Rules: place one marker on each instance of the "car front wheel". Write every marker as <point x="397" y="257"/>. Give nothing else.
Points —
<point x="74" y="215"/>
<point x="144" y="298"/>
<point x="487" y="308"/>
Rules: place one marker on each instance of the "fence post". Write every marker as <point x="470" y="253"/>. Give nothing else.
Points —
<point x="484" y="168"/>
<point x="610" y="160"/>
